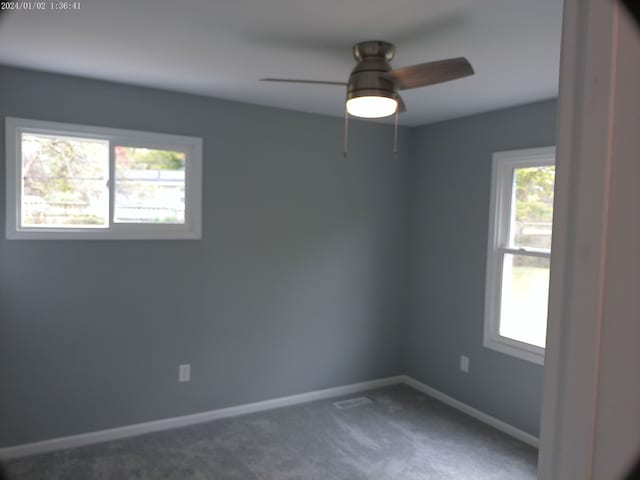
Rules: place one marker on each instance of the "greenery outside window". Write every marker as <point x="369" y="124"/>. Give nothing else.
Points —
<point x="69" y="181"/>
<point x="519" y="251"/>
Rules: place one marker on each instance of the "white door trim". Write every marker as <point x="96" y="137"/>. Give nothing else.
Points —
<point x="581" y="272"/>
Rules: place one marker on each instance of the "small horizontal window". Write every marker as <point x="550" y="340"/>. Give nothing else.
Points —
<point x="81" y="182"/>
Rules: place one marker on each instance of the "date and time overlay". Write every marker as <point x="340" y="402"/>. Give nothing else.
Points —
<point x="46" y="6"/>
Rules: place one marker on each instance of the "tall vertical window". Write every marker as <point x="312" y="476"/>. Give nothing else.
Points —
<point x="81" y="182"/>
<point x="519" y="252"/>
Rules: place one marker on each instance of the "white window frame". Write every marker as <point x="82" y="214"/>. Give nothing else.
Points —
<point x="190" y="146"/>
<point x="502" y="170"/>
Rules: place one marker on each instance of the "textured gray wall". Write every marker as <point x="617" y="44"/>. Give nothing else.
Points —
<point x="298" y="282"/>
<point x="451" y="176"/>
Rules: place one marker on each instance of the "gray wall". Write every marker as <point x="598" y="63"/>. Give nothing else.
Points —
<point x="312" y="272"/>
<point x="449" y="208"/>
<point x="298" y="283"/>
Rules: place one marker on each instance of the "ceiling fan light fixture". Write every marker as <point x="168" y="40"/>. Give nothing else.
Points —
<point x="372" y="88"/>
<point x="372" y="106"/>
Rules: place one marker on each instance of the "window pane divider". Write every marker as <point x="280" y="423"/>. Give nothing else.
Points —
<point x="111" y="183"/>
<point x="531" y="252"/>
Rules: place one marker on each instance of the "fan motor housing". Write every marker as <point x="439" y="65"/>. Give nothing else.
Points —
<point x="365" y="79"/>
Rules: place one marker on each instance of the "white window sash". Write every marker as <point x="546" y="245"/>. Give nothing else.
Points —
<point x="503" y="167"/>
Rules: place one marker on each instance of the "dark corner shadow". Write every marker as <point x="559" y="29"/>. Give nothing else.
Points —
<point x="634" y="474"/>
<point x="633" y="6"/>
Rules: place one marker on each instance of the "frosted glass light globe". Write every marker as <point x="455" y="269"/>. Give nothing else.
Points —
<point x="371" y="106"/>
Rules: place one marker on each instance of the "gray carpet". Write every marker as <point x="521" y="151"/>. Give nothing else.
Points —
<point x="401" y="435"/>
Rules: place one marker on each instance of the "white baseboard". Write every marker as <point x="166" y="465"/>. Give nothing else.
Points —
<point x="472" y="412"/>
<point x="176" y="422"/>
<point x="182" y="421"/>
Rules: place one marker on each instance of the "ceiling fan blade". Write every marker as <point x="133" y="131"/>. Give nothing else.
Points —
<point x="430" y="73"/>
<point x="313" y="82"/>
<point x="401" y="105"/>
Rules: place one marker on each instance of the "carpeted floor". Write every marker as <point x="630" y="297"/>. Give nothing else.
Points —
<point x="401" y="435"/>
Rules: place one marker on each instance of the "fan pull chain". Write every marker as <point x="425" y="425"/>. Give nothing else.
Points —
<point x="395" y="137"/>
<point x="346" y="131"/>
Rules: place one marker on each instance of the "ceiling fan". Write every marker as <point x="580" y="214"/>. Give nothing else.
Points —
<point x="372" y="88"/>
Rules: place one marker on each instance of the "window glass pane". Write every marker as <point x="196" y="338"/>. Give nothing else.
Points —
<point x="150" y="186"/>
<point x="525" y="291"/>
<point x="532" y="211"/>
<point x="64" y="182"/>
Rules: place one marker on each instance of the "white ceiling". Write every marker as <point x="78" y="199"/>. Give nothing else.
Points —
<point x="221" y="48"/>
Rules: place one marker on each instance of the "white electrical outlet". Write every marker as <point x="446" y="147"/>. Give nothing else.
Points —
<point x="184" y="372"/>
<point x="464" y="363"/>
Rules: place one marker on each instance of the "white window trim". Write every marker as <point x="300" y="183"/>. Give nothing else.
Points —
<point x="191" y="146"/>
<point x="503" y="164"/>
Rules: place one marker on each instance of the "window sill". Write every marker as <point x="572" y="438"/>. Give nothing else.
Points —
<point x="517" y="349"/>
<point x="102" y="234"/>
